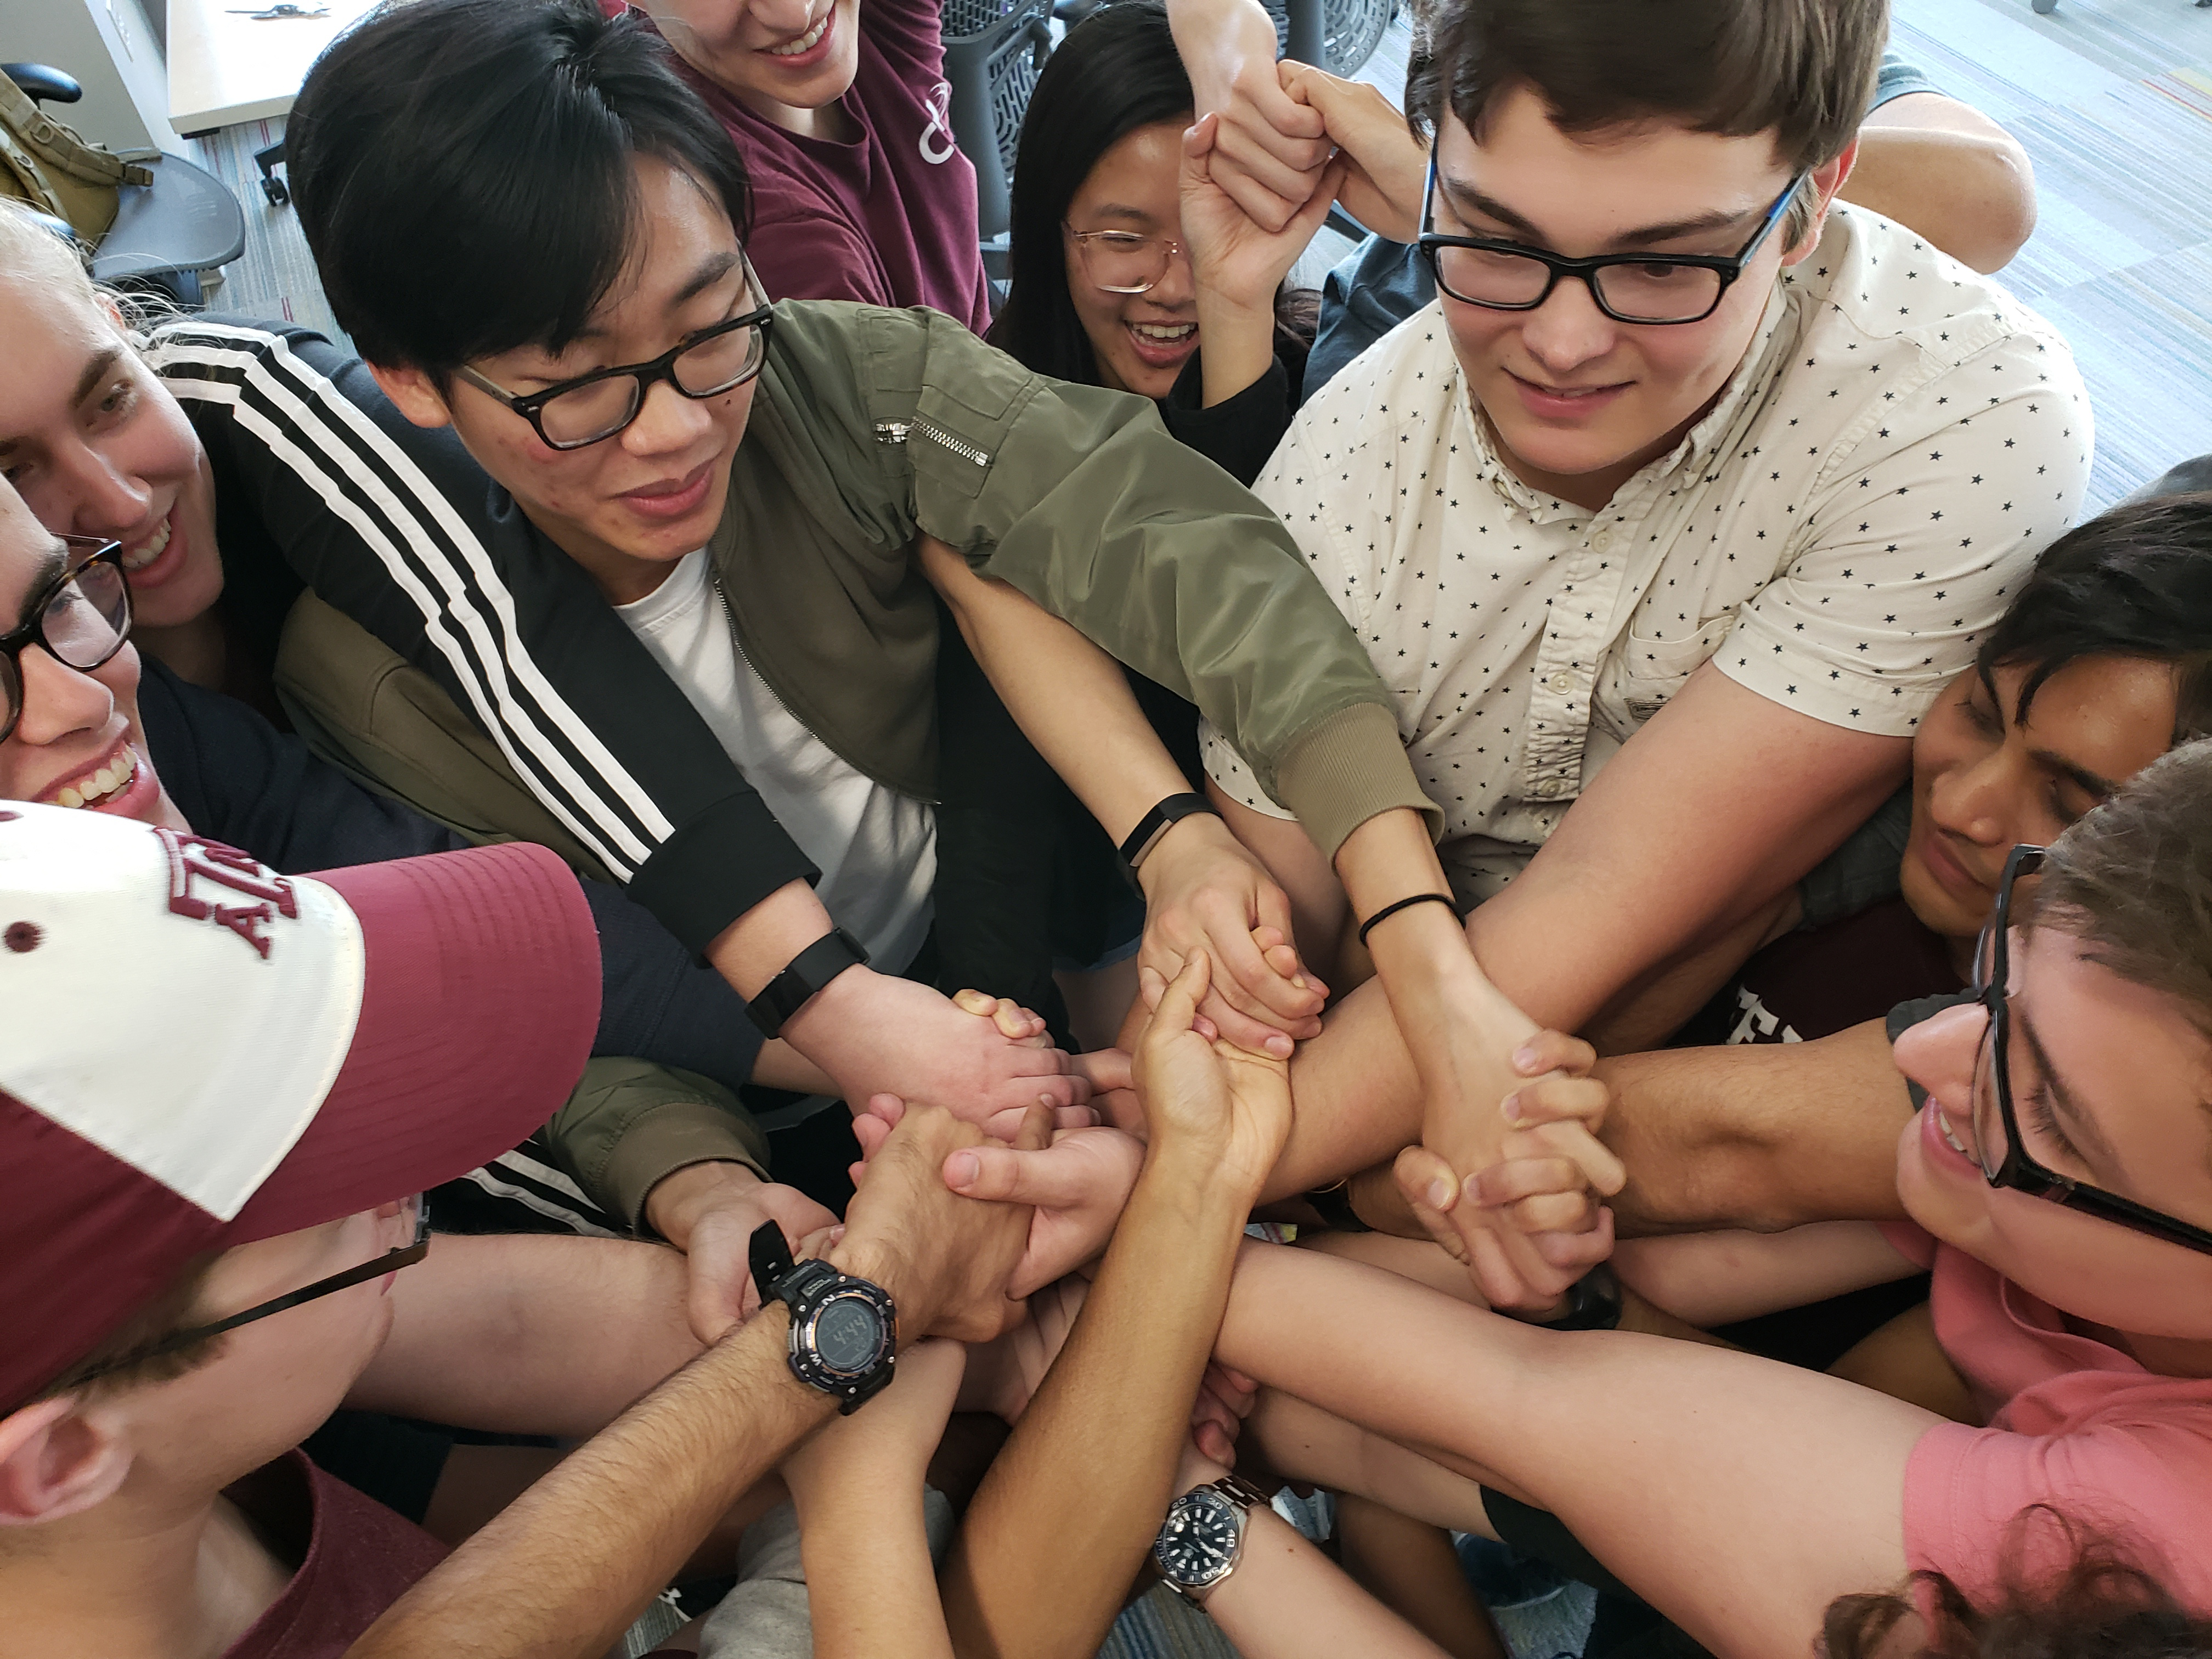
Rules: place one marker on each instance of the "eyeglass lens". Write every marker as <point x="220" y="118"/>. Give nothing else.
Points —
<point x="82" y="623"/>
<point x="591" y="412"/>
<point x="1649" y="292"/>
<point x="1122" y="262"/>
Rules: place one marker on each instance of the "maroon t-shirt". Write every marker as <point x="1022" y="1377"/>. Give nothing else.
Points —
<point x="361" y="1558"/>
<point x="1825" y="980"/>
<point x="888" y="217"/>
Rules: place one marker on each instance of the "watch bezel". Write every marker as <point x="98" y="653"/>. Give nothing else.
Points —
<point x="1208" y="1498"/>
<point x="809" y="1323"/>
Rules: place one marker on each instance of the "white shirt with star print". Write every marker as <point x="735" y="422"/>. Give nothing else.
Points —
<point x="1836" y="534"/>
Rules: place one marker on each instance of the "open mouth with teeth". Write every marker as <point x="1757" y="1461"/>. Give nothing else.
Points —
<point x="804" y="43"/>
<point x="136" y="559"/>
<point x="100" y="788"/>
<point x="1163" y="345"/>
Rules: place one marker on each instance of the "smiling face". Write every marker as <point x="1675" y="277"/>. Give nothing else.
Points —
<point x="1984" y="781"/>
<point x="78" y="742"/>
<point x="1579" y="402"/>
<point x="96" y="445"/>
<point x="773" y="56"/>
<point x="2109" y="1081"/>
<point x="1141" y="341"/>
<point x="627" y="508"/>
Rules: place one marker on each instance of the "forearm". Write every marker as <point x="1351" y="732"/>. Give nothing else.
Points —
<point x="582" y="1327"/>
<point x="1072" y="700"/>
<point x="1971" y="193"/>
<point x="871" y="1587"/>
<point x="1759" y="1136"/>
<point x="1090" y="1464"/>
<point x="1288" y="1600"/>
<point x="569" y="1565"/>
<point x="1795" y="1479"/>
<point x="1239" y="332"/>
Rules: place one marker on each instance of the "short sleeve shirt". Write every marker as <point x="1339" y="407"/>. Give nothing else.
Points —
<point x="1835" y="534"/>
<point x="2073" y="1422"/>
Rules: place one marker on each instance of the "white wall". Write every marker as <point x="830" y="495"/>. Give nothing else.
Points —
<point x="110" y="46"/>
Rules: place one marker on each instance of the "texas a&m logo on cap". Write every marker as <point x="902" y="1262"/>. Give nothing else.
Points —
<point x="207" y="878"/>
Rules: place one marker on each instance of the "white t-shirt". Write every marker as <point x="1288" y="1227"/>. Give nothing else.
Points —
<point x="876" y="847"/>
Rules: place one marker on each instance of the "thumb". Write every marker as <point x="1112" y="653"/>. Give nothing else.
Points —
<point x="1432" y="1188"/>
<point x="1178" y="1004"/>
<point x="1051" y="1179"/>
<point x="890" y="1108"/>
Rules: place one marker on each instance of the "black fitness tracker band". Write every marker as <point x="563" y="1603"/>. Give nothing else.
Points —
<point x="844" y="1331"/>
<point x="1390" y="911"/>
<point x="1158" y="822"/>
<point x="807" y="973"/>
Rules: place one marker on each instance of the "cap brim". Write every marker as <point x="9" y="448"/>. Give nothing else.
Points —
<point x="480" y="1003"/>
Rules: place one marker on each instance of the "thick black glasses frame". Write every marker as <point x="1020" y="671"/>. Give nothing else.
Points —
<point x="33" y="632"/>
<point x="532" y="406"/>
<point x="2018" y="1170"/>
<point x="405" y="1255"/>
<point x="1730" y="266"/>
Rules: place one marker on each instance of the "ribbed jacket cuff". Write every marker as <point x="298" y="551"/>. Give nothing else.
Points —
<point x="1347" y="769"/>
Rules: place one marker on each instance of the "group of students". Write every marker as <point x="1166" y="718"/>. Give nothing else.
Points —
<point x="702" y="662"/>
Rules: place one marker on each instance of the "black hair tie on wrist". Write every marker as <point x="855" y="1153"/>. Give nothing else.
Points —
<point x="1390" y="911"/>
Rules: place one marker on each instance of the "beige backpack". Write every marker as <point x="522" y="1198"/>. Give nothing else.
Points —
<point x="46" y="164"/>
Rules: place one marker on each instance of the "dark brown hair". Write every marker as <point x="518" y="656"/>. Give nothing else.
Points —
<point x="1801" y="70"/>
<point x="2104" y="1605"/>
<point x="2132" y="880"/>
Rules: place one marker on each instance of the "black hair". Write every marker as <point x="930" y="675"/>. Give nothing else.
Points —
<point x="1117" y="70"/>
<point x="2133" y="582"/>
<point x="463" y="171"/>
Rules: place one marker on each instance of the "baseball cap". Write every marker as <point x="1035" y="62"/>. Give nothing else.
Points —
<point x="196" y="1052"/>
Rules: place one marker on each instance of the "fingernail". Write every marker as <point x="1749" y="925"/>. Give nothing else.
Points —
<point x="966" y="1167"/>
<point x="1439" y="1195"/>
<point x="1299" y="980"/>
<point x="1512" y="1107"/>
<point x="1523" y="1058"/>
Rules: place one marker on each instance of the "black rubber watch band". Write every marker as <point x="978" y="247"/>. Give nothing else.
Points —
<point x="805" y="974"/>
<point x="1158" y="822"/>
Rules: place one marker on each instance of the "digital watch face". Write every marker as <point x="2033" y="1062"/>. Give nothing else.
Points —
<point x="1198" y="1544"/>
<point x="848" y="1335"/>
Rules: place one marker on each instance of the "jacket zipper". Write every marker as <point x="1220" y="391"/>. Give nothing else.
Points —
<point x="895" y="432"/>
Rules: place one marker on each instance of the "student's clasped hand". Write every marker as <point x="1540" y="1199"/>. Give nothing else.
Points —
<point x="946" y="1259"/>
<point x="1271" y="147"/>
<point x="1533" y="1202"/>
<point x="1209" y="1098"/>
<point x="1205" y="892"/>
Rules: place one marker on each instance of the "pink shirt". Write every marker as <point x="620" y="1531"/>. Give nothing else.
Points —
<point x="361" y="1558"/>
<point x="888" y="217"/>
<point x="2074" y="1422"/>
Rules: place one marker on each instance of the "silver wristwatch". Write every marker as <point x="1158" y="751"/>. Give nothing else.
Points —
<point x="1203" y="1537"/>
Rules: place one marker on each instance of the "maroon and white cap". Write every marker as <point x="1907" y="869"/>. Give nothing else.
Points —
<point x="196" y="1052"/>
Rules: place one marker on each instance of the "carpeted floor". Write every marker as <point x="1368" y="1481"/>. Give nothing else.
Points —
<point x="2112" y="99"/>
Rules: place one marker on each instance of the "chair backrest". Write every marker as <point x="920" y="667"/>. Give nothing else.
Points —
<point x="994" y="50"/>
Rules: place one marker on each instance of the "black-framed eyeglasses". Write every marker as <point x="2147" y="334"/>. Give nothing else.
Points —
<point x="2005" y="1161"/>
<point x="593" y="407"/>
<point x="405" y="1255"/>
<point x="1121" y="261"/>
<point x="81" y="618"/>
<point x="1629" y="288"/>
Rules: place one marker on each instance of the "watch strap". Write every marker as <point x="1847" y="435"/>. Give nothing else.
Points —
<point x="1158" y="822"/>
<point x="802" y="977"/>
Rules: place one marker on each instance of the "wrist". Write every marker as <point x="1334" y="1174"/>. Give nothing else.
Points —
<point x="1196" y="835"/>
<point x="859" y="1257"/>
<point x="1198" y="1176"/>
<point x="831" y="1013"/>
<point x="678" y="1199"/>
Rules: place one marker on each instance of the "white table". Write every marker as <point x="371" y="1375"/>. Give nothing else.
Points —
<point x="225" y="67"/>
